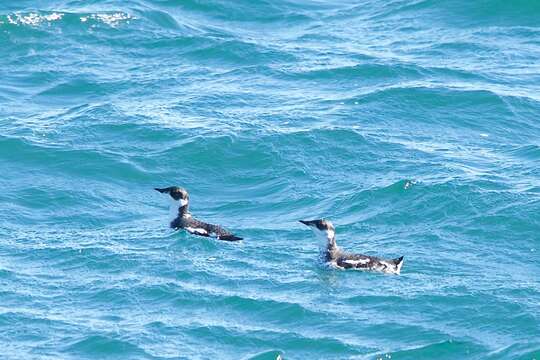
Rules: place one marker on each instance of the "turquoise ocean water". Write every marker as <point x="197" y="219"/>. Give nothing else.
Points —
<point x="414" y="125"/>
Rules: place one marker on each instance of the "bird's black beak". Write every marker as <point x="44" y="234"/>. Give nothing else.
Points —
<point x="164" y="190"/>
<point x="307" y="222"/>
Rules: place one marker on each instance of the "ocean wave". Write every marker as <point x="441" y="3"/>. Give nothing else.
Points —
<point x="261" y="12"/>
<point x="520" y="350"/>
<point x="360" y="71"/>
<point x="529" y="152"/>
<point x="89" y="161"/>
<point x="432" y="95"/>
<point x="103" y="345"/>
<point x="292" y="340"/>
<point x="266" y="355"/>
<point x="440" y="350"/>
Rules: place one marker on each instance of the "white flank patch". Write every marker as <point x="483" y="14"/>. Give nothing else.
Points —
<point x="357" y="262"/>
<point x="197" y="231"/>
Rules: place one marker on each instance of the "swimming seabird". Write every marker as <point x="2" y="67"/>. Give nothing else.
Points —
<point x="332" y="254"/>
<point x="181" y="217"/>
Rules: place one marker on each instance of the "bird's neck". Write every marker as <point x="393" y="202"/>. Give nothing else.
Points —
<point x="331" y="246"/>
<point x="176" y="210"/>
<point x="330" y="249"/>
<point x="183" y="210"/>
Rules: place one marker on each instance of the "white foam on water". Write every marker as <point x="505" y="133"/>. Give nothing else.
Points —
<point x="112" y="19"/>
<point x="33" y="19"/>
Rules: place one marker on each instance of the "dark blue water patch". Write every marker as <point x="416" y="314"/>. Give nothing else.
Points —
<point x="498" y="12"/>
<point x="70" y="160"/>
<point x="25" y="84"/>
<point x="163" y="44"/>
<point x="88" y="89"/>
<point x="38" y="199"/>
<point x="235" y="52"/>
<point x="430" y="106"/>
<point x="363" y="75"/>
<point x="35" y="329"/>
<point x="435" y="97"/>
<point x="463" y="14"/>
<point x="460" y="47"/>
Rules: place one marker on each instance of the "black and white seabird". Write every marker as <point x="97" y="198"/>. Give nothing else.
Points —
<point x="182" y="219"/>
<point x="333" y="255"/>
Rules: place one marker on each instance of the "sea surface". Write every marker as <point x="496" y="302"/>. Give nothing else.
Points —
<point x="414" y="125"/>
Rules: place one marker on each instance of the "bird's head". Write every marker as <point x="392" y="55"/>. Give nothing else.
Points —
<point x="323" y="229"/>
<point x="178" y="195"/>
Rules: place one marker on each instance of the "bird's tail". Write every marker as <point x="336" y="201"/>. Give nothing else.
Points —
<point x="399" y="263"/>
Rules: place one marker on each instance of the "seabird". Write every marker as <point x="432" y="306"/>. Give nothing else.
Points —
<point x="332" y="254"/>
<point x="181" y="217"/>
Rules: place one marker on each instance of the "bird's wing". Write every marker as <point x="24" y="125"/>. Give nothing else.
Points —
<point x="200" y="228"/>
